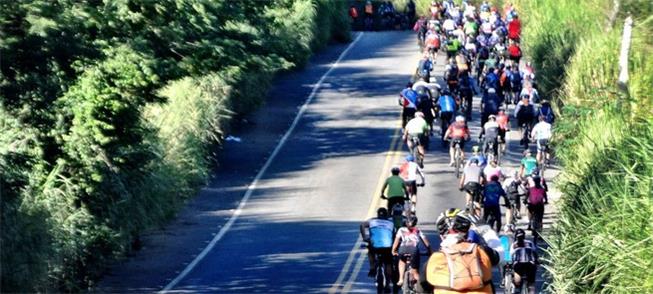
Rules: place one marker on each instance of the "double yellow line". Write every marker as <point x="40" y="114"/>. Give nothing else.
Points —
<point x="390" y="159"/>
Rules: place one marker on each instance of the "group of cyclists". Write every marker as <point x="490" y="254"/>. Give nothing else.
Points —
<point x="483" y="57"/>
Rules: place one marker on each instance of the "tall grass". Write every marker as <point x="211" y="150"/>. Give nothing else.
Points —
<point x="603" y="239"/>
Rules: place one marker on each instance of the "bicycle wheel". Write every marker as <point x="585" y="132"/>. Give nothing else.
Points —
<point x="380" y="278"/>
<point x="457" y="163"/>
<point x="405" y="288"/>
<point x="507" y="281"/>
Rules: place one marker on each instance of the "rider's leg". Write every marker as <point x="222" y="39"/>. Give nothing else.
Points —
<point x="402" y="269"/>
<point x="370" y="256"/>
<point x="516" y="281"/>
<point x="451" y="155"/>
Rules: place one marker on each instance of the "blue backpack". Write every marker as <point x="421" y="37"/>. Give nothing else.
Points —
<point x="515" y="80"/>
<point x="547" y="112"/>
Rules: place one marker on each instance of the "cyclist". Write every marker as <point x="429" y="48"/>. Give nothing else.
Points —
<point x="406" y="244"/>
<point x="424" y="68"/>
<point x="529" y="89"/>
<point x="542" y="134"/>
<point x="489" y="105"/>
<point x="470" y="182"/>
<point x="432" y="43"/>
<point x="476" y="154"/>
<point x="451" y="75"/>
<point x="491" y="136"/>
<point x="514" y="52"/>
<point x="514" y="28"/>
<point x="504" y="126"/>
<point x="408" y="103"/>
<point x="528" y="164"/>
<point x="492" y="194"/>
<point x="524" y="261"/>
<point x="417" y="130"/>
<point x="473" y="274"/>
<point x="447" y="108"/>
<point x="409" y="171"/>
<point x="514" y="188"/>
<point x="525" y="113"/>
<point x="515" y="79"/>
<point x="396" y="192"/>
<point x="425" y="105"/>
<point x="547" y="112"/>
<point x="537" y="198"/>
<point x="493" y="169"/>
<point x="466" y="90"/>
<point x="377" y="232"/>
<point x="459" y="133"/>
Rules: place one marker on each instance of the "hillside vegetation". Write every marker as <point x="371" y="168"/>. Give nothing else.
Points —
<point x="603" y="241"/>
<point x="110" y="112"/>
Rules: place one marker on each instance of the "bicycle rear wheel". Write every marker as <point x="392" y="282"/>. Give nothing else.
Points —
<point x="380" y="278"/>
<point x="457" y="163"/>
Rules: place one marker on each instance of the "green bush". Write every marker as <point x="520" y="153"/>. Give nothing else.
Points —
<point x="111" y="112"/>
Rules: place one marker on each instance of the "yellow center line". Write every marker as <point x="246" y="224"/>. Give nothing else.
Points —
<point x="391" y="157"/>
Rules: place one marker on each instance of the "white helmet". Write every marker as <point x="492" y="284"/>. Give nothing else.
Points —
<point x="460" y="118"/>
<point x="491" y="90"/>
<point x="419" y="114"/>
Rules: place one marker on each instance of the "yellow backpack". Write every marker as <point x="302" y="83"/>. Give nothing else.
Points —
<point x="461" y="267"/>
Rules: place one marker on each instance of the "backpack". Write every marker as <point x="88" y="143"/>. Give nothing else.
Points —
<point x="515" y="80"/>
<point x="424" y="67"/>
<point x="548" y="114"/>
<point x="536" y="196"/>
<point x="513" y="188"/>
<point x="461" y="267"/>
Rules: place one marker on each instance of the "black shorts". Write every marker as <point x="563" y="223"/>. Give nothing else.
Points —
<point x="394" y="200"/>
<point x="536" y="209"/>
<point x="411" y="251"/>
<point x="474" y="189"/>
<point x="458" y="141"/>
<point x="433" y="50"/>
<point x="526" y="271"/>
<point x="514" y="199"/>
<point x="446" y="116"/>
<point x="385" y="253"/>
<point x="502" y="135"/>
<point x="412" y="185"/>
<point x="542" y="144"/>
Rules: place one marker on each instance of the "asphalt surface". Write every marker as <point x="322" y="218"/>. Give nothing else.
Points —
<point x="298" y="231"/>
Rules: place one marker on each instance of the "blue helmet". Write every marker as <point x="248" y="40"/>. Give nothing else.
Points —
<point x="410" y="158"/>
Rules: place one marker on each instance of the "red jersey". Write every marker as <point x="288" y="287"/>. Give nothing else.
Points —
<point x="502" y="120"/>
<point x="514" y="29"/>
<point x="458" y="131"/>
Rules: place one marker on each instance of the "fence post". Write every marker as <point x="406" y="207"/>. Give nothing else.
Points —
<point x="623" y="56"/>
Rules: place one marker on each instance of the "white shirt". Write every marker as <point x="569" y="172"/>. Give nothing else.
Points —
<point x="542" y="130"/>
<point x="413" y="171"/>
<point x="490" y="124"/>
<point x="449" y="25"/>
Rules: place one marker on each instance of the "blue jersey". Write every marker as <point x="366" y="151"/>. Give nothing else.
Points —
<point x="493" y="193"/>
<point x="411" y="96"/>
<point x="447" y="104"/>
<point x="381" y="233"/>
<point x="482" y="161"/>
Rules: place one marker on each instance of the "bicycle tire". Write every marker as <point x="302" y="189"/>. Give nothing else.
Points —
<point x="507" y="281"/>
<point x="457" y="162"/>
<point x="380" y="278"/>
<point x="405" y="288"/>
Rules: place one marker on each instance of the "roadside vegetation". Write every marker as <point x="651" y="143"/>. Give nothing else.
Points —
<point x="111" y="111"/>
<point x="603" y="239"/>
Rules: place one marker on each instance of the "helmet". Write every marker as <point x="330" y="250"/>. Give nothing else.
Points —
<point x="409" y="85"/>
<point x="491" y="90"/>
<point x="545" y="102"/>
<point x="382" y="212"/>
<point x="475" y="149"/>
<point x="453" y="219"/>
<point x="419" y="114"/>
<point x="527" y="152"/>
<point x="395" y="170"/>
<point x="520" y="235"/>
<point x="460" y="118"/>
<point x="492" y="117"/>
<point x="525" y="96"/>
<point x="501" y="109"/>
<point x="410" y="158"/>
<point x="474" y="160"/>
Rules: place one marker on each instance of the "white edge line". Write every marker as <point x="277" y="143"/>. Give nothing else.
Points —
<point x="252" y="186"/>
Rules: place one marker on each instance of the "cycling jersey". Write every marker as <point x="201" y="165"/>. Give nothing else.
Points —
<point x="472" y="174"/>
<point x="458" y="131"/>
<point x="449" y="25"/>
<point x="529" y="163"/>
<point x="490" y="171"/>
<point x="410" y="170"/>
<point x="410" y="238"/>
<point x="395" y="187"/>
<point x="447" y="104"/>
<point x="493" y="193"/>
<point x="381" y="233"/>
<point x="482" y="161"/>
<point x="491" y="129"/>
<point x="410" y="98"/>
<point x="417" y="126"/>
<point x="542" y="131"/>
<point x="502" y="120"/>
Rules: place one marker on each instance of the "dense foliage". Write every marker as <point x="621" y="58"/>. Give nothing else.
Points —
<point x="110" y="112"/>
<point x="603" y="240"/>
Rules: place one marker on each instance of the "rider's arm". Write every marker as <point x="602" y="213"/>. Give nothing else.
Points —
<point x="517" y="108"/>
<point x="365" y="231"/>
<point x="395" y="244"/>
<point x="462" y="180"/>
<point x="421" y="174"/>
<point x="493" y="254"/>
<point x="406" y="191"/>
<point x="385" y="185"/>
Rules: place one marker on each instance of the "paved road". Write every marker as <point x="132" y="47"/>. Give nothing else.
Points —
<point x="299" y="230"/>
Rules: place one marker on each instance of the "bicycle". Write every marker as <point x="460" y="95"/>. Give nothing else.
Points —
<point x="458" y="158"/>
<point x="409" y="283"/>
<point x="537" y="226"/>
<point x="380" y="277"/>
<point x="525" y="138"/>
<point x="414" y="150"/>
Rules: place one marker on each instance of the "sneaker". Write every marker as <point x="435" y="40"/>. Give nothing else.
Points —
<point x="452" y="163"/>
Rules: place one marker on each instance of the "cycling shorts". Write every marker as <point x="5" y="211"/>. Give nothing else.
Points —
<point x="395" y="200"/>
<point x="412" y="185"/>
<point x="474" y="189"/>
<point x="458" y="141"/>
<point x="421" y="139"/>
<point x="411" y="251"/>
<point x="526" y="271"/>
<point x="502" y="135"/>
<point x="385" y="253"/>
<point x="542" y="144"/>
